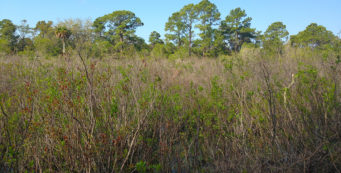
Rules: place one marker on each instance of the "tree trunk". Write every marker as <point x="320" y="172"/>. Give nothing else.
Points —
<point x="179" y="40"/>
<point x="63" y="46"/>
<point x="121" y="40"/>
<point x="190" y="41"/>
<point x="237" y="43"/>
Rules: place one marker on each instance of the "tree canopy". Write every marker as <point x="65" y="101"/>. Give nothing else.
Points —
<point x="275" y="36"/>
<point x="237" y="29"/>
<point x="209" y="16"/>
<point x="7" y="35"/>
<point x="196" y="28"/>
<point x="63" y="33"/>
<point x="117" y="25"/>
<point x="176" y="29"/>
<point x="155" y="38"/>
<point x="43" y="27"/>
<point x="314" y="36"/>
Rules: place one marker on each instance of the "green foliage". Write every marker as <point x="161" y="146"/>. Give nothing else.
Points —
<point x="159" y="51"/>
<point x="7" y="34"/>
<point x="5" y="46"/>
<point x="141" y="167"/>
<point x="25" y="44"/>
<point x="154" y="38"/>
<point x="181" y="26"/>
<point x="102" y="48"/>
<point x="47" y="47"/>
<point x="274" y="37"/>
<point x="117" y="27"/>
<point x="44" y="28"/>
<point x="208" y="17"/>
<point x="63" y="33"/>
<point x="194" y="27"/>
<point x="138" y="43"/>
<point x="176" y="28"/>
<point x="314" y="36"/>
<point x="179" y="53"/>
<point x="189" y="15"/>
<point x="24" y="29"/>
<point x="237" y="29"/>
<point x="7" y="30"/>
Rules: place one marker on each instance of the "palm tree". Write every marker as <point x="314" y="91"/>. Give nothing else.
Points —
<point x="63" y="33"/>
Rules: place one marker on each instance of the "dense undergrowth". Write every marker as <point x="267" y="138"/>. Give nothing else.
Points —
<point x="244" y="113"/>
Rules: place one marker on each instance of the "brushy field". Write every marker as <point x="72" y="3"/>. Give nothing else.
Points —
<point x="242" y="113"/>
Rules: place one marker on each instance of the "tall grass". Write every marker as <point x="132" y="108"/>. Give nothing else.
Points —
<point x="245" y="113"/>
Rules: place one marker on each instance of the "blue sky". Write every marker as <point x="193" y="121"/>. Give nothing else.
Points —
<point x="295" y="14"/>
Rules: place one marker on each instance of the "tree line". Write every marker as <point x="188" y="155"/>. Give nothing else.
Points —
<point x="195" y="29"/>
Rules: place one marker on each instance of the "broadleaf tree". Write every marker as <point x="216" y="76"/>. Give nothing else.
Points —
<point x="7" y="35"/>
